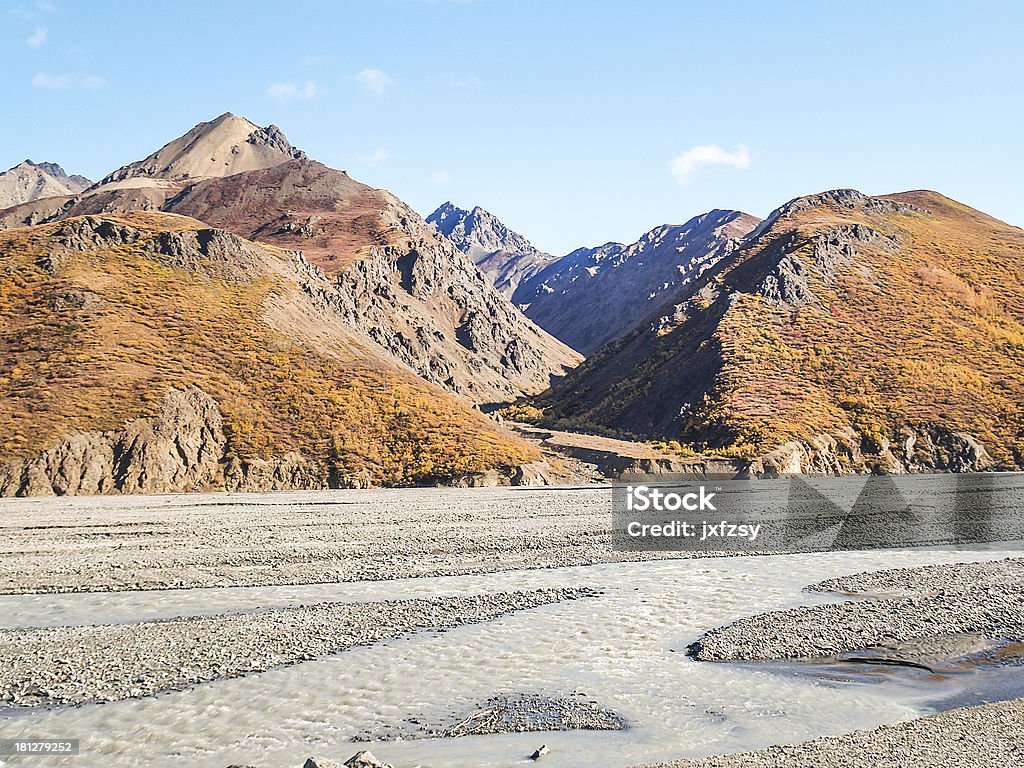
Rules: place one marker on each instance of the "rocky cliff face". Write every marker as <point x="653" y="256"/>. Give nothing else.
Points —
<point x="146" y="352"/>
<point x="846" y="333"/>
<point x="594" y="295"/>
<point x="505" y="257"/>
<point x="396" y="279"/>
<point x="27" y="182"/>
<point x="179" y="449"/>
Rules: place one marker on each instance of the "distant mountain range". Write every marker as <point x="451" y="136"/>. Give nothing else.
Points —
<point x="593" y="295"/>
<point x="505" y="257"/>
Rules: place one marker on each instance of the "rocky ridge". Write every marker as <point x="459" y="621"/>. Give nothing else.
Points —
<point x="397" y="280"/>
<point x="595" y="295"/>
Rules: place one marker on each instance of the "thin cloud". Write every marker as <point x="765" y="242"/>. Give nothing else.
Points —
<point x="442" y="177"/>
<point x="37" y="38"/>
<point x="469" y="81"/>
<point x="689" y="162"/>
<point x="372" y="80"/>
<point x="289" y="91"/>
<point x="67" y="81"/>
<point x="376" y="157"/>
<point x="25" y="12"/>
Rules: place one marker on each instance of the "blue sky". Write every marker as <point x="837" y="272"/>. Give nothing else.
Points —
<point x="574" y="122"/>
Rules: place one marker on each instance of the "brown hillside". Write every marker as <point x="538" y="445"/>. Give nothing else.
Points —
<point x="885" y="324"/>
<point x="101" y="316"/>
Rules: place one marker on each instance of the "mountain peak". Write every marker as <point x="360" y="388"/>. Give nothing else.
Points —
<point x="29" y="181"/>
<point x="224" y="146"/>
<point x="504" y="256"/>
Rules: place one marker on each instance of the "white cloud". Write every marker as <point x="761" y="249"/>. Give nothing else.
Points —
<point x="373" y="80"/>
<point x="376" y="157"/>
<point x="689" y="162"/>
<point x="442" y="177"/>
<point x="37" y="38"/>
<point x="25" y="12"/>
<point x="52" y="82"/>
<point x="289" y="91"/>
<point x="66" y="81"/>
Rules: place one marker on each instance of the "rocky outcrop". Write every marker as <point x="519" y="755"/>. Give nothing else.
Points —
<point x="179" y="449"/>
<point x="935" y="449"/>
<point x="534" y="473"/>
<point x="182" y="448"/>
<point x="427" y="305"/>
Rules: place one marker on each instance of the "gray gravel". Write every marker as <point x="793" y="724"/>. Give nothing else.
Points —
<point x="88" y="544"/>
<point x="507" y="713"/>
<point x="989" y="736"/>
<point x="75" y="665"/>
<point x="980" y="599"/>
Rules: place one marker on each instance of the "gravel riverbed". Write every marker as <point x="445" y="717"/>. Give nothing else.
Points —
<point x="75" y="665"/>
<point x="101" y="544"/>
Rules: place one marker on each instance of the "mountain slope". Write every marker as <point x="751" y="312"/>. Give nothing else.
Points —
<point x="505" y="257"/>
<point x="400" y="281"/>
<point x="28" y="181"/>
<point x="150" y="353"/>
<point x="847" y="332"/>
<point x="594" y="295"/>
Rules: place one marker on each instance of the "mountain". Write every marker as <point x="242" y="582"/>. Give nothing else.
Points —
<point x="227" y="145"/>
<point x="28" y="181"/>
<point x="149" y="352"/>
<point x="400" y="282"/>
<point x="594" y="295"/>
<point x="505" y="257"/>
<point x="846" y="333"/>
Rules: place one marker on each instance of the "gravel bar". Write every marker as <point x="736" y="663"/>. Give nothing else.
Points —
<point x="77" y="665"/>
<point x="989" y="736"/>
<point x="979" y="598"/>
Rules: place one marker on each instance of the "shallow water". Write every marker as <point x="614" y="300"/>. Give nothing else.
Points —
<point x="625" y="650"/>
